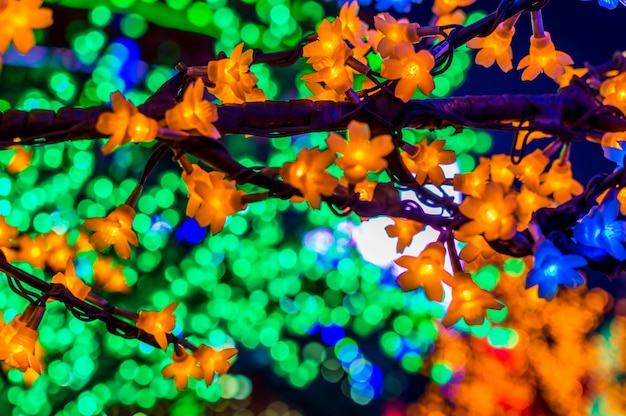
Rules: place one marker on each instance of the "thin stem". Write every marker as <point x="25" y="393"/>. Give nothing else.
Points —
<point x="537" y="24"/>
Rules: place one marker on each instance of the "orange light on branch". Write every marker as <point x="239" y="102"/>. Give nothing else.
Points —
<point x="353" y="28"/>
<point x="21" y="160"/>
<point x="7" y="233"/>
<point x="158" y="324"/>
<point x="18" y="340"/>
<point x="441" y="7"/>
<point x="329" y="48"/>
<point x="115" y="229"/>
<point x="212" y="361"/>
<point x="32" y="250"/>
<point x="308" y="174"/>
<point x="360" y="155"/>
<point x="530" y="168"/>
<point x="491" y="213"/>
<point x="71" y="281"/>
<point x="425" y="271"/>
<point x="469" y="302"/>
<point x="212" y="198"/>
<point x="560" y="182"/>
<point x="496" y="47"/>
<point x="184" y="365"/>
<point x="404" y="230"/>
<point x="336" y="76"/>
<point x="424" y="161"/>
<point x="124" y="124"/>
<point x="194" y="112"/>
<point x="394" y="32"/>
<point x="543" y="57"/>
<point x="109" y="277"/>
<point x="614" y="92"/>
<point x="234" y="82"/>
<point x="528" y="202"/>
<point x="472" y="183"/>
<point x="412" y="69"/>
<point x="18" y="18"/>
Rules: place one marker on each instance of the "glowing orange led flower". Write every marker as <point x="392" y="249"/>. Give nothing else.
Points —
<point x="109" y="277"/>
<point x="322" y="93"/>
<point x="360" y="155"/>
<point x="614" y="91"/>
<point x="500" y="169"/>
<point x="405" y="230"/>
<point x="412" y="69"/>
<point x="447" y="6"/>
<point x="496" y="47"/>
<point x="308" y="174"/>
<point x="530" y="168"/>
<point x="472" y="183"/>
<point x="560" y="182"/>
<point x="158" y="324"/>
<point x="335" y="76"/>
<point x="183" y="366"/>
<point x="211" y="198"/>
<point x="213" y="361"/>
<point x="527" y="203"/>
<point x="19" y="352"/>
<point x="194" y="112"/>
<point x="18" y="18"/>
<point x="58" y="251"/>
<point x="71" y="281"/>
<point x="353" y="28"/>
<point x="565" y="79"/>
<point x="7" y="233"/>
<point x="491" y="213"/>
<point x="476" y="246"/>
<point x="232" y="77"/>
<point x="329" y="48"/>
<point x="621" y="197"/>
<point x="543" y="57"/>
<point x="115" y="229"/>
<point x="125" y="124"/>
<point x="425" y="271"/>
<point x="394" y="33"/>
<point x="32" y="250"/>
<point x="468" y="301"/>
<point x="424" y="163"/>
<point x="20" y="160"/>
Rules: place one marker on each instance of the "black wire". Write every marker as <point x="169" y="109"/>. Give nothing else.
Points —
<point x="155" y="157"/>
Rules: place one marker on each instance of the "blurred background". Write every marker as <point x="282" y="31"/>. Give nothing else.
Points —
<point x="308" y="298"/>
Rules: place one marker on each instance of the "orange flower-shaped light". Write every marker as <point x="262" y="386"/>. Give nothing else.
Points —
<point x="184" y="365"/>
<point x="109" y="277"/>
<point x="158" y="324"/>
<point x="411" y="69"/>
<point x="19" y="352"/>
<point x="543" y="57"/>
<point x="329" y="47"/>
<point x="115" y="229"/>
<point x="71" y="281"/>
<point x="405" y="230"/>
<point x="394" y="32"/>
<point x="308" y="174"/>
<point x="530" y="168"/>
<point x="7" y="233"/>
<point x="560" y="182"/>
<point x="20" y="160"/>
<point x="58" y="251"/>
<point x="424" y="163"/>
<point x="565" y="79"/>
<point x="500" y="170"/>
<point x="496" y="47"/>
<point x="336" y="76"/>
<point x="124" y="124"/>
<point x="213" y="361"/>
<point x="441" y="7"/>
<point x="614" y="92"/>
<point x="212" y="198"/>
<point x="194" y="112"/>
<point x="360" y="155"/>
<point x="491" y="213"/>
<point x="528" y="202"/>
<point x="476" y="246"/>
<point x="18" y="18"/>
<point x="232" y="77"/>
<point x="322" y="93"/>
<point x="32" y="250"/>
<point x="469" y="302"/>
<point x="472" y="183"/>
<point x="425" y="271"/>
<point x="353" y="28"/>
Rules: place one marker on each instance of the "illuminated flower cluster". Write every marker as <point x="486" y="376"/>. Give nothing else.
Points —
<point x="491" y="213"/>
<point x="158" y="324"/>
<point x="18" y="341"/>
<point x="183" y="366"/>
<point x="560" y="182"/>
<point x="212" y="198"/>
<point x="469" y="301"/>
<point x="601" y="228"/>
<point x="614" y="91"/>
<point x="308" y="174"/>
<point x="124" y="124"/>
<point x="614" y="145"/>
<point x="234" y="83"/>
<point x="530" y="168"/>
<point x="425" y="161"/>
<point x="425" y="271"/>
<point x="543" y="57"/>
<point x="553" y="268"/>
<point x="404" y="230"/>
<point x="360" y="155"/>
<point x="496" y="47"/>
<point x="115" y="229"/>
<point x="472" y="183"/>
<point x="394" y="32"/>
<point x="194" y="112"/>
<point x="18" y="18"/>
<point x="203" y="363"/>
